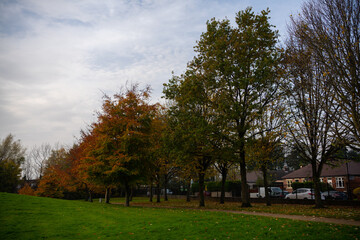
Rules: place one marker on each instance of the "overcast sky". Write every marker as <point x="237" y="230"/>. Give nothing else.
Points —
<point x="57" y="58"/>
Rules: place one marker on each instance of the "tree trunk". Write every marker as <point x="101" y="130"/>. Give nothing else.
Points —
<point x="267" y="196"/>
<point x="107" y="195"/>
<point x="131" y="193"/>
<point x="188" y="191"/>
<point x="316" y="180"/>
<point x="165" y="188"/>
<point x="87" y="194"/>
<point x="127" y="194"/>
<point x="158" y="192"/>
<point x="245" y="196"/>
<point x="90" y="196"/>
<point x="223" y="181"/>
<point x="201" y="189"/>
<point x="151" y="193"/>
<point x="121" y="192"/>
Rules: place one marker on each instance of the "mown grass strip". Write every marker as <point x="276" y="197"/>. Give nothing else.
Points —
<point x="25" y="217"/>
<point x="340" y="212"/>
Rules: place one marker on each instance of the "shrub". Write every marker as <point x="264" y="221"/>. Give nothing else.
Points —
<point x="230" y="186"/>
<point x="356" y="192"/>
<point x="195" y="187"/>
<point x="216" y="186"/>
<point x="49" y="187"/>
<point x="27" y="190"/>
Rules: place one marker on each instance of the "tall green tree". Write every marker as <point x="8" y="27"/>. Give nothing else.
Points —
<point x="12" y="155"/>
<point x="193" y="121"/>
<point x="162" y="166"/>
<point x="182" y="166"/>
<point x="241" y="65"/>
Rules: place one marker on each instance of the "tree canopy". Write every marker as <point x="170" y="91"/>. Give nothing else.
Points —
<point x="119" y="153"/>
<point x="12" y="155"/>
<point x="230" y="82"/>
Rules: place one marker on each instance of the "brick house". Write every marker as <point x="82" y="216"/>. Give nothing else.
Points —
<point x="344" y="177"/>
<point x="275" y="175"/>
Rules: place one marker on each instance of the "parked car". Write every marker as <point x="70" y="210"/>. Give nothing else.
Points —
<point x="274" y="192"/>
<point x="168" y="191"/>
<point x="335" y="195"/>
<point x="303" y="193"/>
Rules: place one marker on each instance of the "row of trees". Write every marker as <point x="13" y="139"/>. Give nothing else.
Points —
<point x="242" y="96"/>
<point x="241" y="99"/>
<point x="51" y="166"/>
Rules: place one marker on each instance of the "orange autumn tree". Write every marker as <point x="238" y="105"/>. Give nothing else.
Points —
<point x="79" y="175"/>
<point x="119" y="155"/>
<point x="62" y="174"/>
<point x="56" y="177"/>
<point x="93" y="168"/>
<point x="27" y="190"/>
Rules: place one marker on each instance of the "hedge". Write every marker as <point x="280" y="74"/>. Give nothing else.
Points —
<point x="230" y="186"/>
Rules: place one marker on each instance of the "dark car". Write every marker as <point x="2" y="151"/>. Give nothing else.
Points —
<point x="335" y="195"/>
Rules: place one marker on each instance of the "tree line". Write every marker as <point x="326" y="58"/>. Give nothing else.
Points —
<point x="242" y="100"/>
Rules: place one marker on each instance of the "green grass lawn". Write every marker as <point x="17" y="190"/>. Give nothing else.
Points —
<point x="26" y="217"/>
<point x="341" y="212"/>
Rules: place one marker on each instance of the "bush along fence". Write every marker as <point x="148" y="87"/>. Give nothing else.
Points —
<point x="230" y="186"/>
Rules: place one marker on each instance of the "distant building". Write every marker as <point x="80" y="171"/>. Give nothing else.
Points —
<point x="253" y="177"/>
<point x="343" y="177"/>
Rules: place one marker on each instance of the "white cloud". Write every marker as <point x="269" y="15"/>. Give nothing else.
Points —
<point x="56" y="57"/>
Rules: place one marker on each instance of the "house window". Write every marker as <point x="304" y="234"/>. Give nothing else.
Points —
<point x="339" y="182"/>
<point x="329" y="180"/>
<point x="289" y="182"/>
<point x="321" y="180"/>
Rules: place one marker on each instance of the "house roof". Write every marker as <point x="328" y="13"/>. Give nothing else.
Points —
<point x="253" y="176"/>
<point x="328" y="170"/>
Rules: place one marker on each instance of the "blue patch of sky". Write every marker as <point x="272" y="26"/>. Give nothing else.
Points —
<point x="14" y="20"/>
<point x="12" y="27"/>
<point x="30" y="14"/>
<point x="111" y="60"/>
<point x="71" y="22"/>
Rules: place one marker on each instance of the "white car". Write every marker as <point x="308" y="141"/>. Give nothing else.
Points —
<point x="274" y="192"/>
<point x="303" y="193"/>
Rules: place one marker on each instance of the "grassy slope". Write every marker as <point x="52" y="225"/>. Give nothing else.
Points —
<point x="341" y="212"/>
<point x="25" y="217"/>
